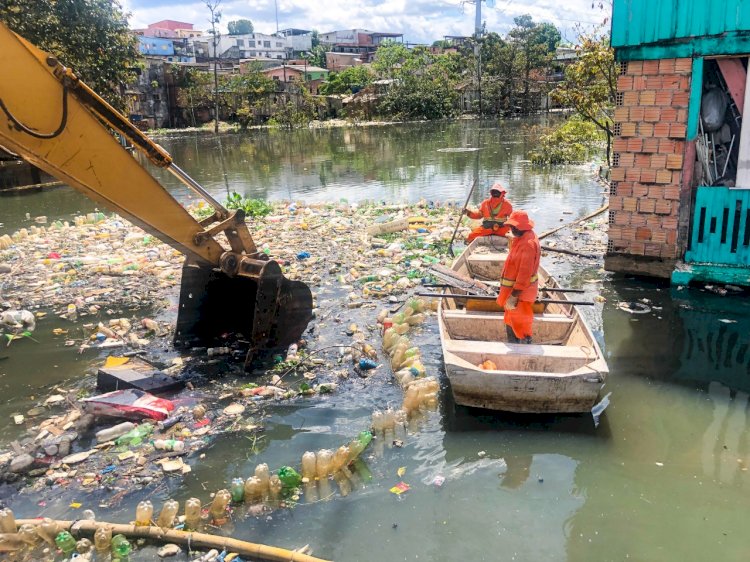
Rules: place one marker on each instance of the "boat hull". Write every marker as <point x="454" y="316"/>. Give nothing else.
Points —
<point x="562" y="372"/>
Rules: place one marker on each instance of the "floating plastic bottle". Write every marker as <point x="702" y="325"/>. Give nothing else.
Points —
<point x="237" y="489"/>
<point x="408" y="311"/>
<point x="340" y="458"/>
<point x="88" y="515"/>
<point x="308" y="465"/>
<point x="103" y="538"/>
<point x="275" y="487"/>
<point x="218" y="509"/>
<point x="289" y="477"/>
<point x="193" y="513"/>
<point x="121" y="546"/>
<point x="323" y="466"/>
<point x="398" y="318"/>
<point x="263" y="474"/>
<point x="415" y="319"/>
<point x="253" y="491"/>
<point x="7" y="521"/>
<point x="169" y="445"/>
<point x="83" y="546"/>
<point x="377" y="421"/>
<point x="411" y="399"/>
<point x="65" y="542"/>
<point x="168" y="513"/>
<point x="401" y="329"/>
<point x="389" y="420"/>
<point x="48" y="530"/>
<point x="135" y="436"/>
<point x="144" y="512"/>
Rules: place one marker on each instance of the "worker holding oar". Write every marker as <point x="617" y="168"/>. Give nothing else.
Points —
<point x="493" y="212"/>
<point x="519" y="283"/>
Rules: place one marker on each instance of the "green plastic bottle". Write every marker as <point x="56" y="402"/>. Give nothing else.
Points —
<point x="289" y="477"/>
<point x="237" y="490"/>
<point x="135" y="436"/>
<point x="364" y="437"/>
<point x="120" y="546"/>
<point x="65" y="542"/>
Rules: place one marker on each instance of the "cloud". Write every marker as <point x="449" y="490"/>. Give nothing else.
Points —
<point x="420" y="21"/>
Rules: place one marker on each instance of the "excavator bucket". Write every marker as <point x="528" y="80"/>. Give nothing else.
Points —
<point x="268" y="310"/>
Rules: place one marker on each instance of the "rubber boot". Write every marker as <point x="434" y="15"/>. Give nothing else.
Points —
<point x="511" y="336"/>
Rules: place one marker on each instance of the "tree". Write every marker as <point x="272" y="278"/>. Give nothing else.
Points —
<point x="245" y="92"/>
<point x="290" y="113"/>
<point x="317" y="56"/>
<point x="314" y="38"/>
<point x="536" y="44"/>
<point x="89" y="36"/>
<point x="423" y="84"/>
<point x="240" y="27"/>
<point x="347" y="81"/>
<point x="193" y="89"/>
<point x="590" y="83"/>
<point x="213" y="6"/>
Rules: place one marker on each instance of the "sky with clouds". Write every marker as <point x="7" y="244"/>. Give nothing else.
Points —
<point x="420" y="21"/>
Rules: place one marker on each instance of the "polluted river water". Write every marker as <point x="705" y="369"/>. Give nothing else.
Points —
<point x="664" y="476"/>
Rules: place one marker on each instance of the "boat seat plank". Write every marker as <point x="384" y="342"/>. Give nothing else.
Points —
<point x="517" y="349"/>
<point x="489" y="326"/>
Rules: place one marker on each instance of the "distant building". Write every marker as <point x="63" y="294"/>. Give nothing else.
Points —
<point x="340" y="61"/>
<point x="170" y="29"/>
<point x="245" y="46"/>
<point x="171" y="50"/>
<point x="298" y="40"/>
<point x="311" y="76"/>
<point x="359" y="42"/>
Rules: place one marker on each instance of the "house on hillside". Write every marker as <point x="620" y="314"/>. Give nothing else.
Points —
<point x="680" y="191"/>
<point x="359" y="42"/>
<point x="170" y="29"/>
<point x="311" y="76"/>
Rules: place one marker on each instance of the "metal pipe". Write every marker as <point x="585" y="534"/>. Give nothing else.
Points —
<point x="197" y="188"/>
<point x="493" y="297"/>
<point x="729" y="155"/>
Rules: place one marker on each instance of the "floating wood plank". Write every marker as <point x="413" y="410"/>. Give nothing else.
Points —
<point x="460" y="281"/>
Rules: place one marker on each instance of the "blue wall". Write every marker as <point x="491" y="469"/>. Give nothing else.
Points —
<point x="155" y="46"/>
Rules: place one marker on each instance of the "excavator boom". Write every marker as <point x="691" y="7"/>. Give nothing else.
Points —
<point x="57" y="123"/>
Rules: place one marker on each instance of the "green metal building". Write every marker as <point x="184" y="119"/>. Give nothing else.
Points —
<point x="680" y="195"/>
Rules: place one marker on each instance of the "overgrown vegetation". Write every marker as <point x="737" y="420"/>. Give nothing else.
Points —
<point x="573" y="141"/>
<point x="590" y="83"/>
<point x="252" y="207"/>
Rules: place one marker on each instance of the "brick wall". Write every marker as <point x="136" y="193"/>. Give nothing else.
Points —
<point x="648" y="150"/>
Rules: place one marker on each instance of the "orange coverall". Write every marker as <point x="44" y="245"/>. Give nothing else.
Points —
<point x="492" y="209"/>
<point x="520" y="274"/>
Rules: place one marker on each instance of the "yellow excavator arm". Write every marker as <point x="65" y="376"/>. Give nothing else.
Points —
<point x="57" y="123"/>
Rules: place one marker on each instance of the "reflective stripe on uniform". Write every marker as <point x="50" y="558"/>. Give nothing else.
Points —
<point x="505" y="282"/>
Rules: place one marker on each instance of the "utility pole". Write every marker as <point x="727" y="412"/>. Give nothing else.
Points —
<point x="212" y="5"/>
<point x="478" y="49"/>
<point x="276" y="8"/>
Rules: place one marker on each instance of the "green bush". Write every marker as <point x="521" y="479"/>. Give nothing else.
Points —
<point x="252" y="207"/>
<point x="574" y="141"/>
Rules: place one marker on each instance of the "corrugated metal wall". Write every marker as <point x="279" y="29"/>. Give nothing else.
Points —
<point x="640" y="22"/>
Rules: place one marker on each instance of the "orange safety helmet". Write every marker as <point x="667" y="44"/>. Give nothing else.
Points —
<point x="520" y="220"/>
<point x="498" y="187"/>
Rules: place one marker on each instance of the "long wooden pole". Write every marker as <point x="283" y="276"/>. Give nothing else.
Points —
<point x="203" y="540"/>
<point x="599" y="211"/>
<point x="458" y="222"/>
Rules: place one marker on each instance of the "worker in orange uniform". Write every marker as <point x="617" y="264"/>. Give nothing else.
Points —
<point x="519" y="283"/>
<point x="493" y="212"/>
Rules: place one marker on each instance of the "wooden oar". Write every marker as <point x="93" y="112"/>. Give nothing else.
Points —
<point x="458" y="222"/>
<point x="492" y="298"/>
<point x="555" y="289"/>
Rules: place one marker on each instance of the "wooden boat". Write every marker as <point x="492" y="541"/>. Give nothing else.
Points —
<point x="563" y="369"/>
